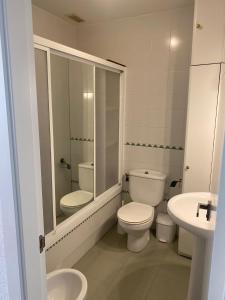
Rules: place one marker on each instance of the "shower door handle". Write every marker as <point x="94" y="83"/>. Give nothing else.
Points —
<point x="65" y="164"/>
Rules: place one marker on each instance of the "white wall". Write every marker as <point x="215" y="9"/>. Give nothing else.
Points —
<point x="53" y="28"/>
<point x="156" y="48"/>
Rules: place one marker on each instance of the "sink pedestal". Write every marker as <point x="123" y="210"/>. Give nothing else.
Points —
<point x="182" y="209"/>
<point x="200" y="269"/>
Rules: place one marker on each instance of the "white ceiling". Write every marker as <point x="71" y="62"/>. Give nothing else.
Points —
<point x="103" y="10"/>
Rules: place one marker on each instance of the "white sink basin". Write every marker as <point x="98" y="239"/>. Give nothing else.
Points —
<point x="66" y="284"/>
<point x="183" y="208"/>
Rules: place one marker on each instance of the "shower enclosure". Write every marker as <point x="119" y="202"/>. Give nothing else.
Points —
<point x="80" y="110"/>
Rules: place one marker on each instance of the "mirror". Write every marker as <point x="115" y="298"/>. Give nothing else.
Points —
<point x="73" y="134"/>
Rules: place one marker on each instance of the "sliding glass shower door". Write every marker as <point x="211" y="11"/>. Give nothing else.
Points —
<point x="41" y="67"/>
<point x="79" y="131"/>
<point x="72" y="84"/>
<point x="107" y="101"/>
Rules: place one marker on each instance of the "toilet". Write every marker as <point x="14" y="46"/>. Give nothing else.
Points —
<point x="72" y="202"/>
<point x="146" y="188"/>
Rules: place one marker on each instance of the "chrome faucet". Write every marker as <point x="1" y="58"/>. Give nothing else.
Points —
<point x="209" y="207"/>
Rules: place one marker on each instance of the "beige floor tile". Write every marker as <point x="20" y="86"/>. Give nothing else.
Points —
<point x="97" y="265"/>
<point x="171" y="283"/>
<point x="114" y="273"/>
<point x="134" y="281"/>
<point x="113" y="244"/>
<point x="102" y="288"/>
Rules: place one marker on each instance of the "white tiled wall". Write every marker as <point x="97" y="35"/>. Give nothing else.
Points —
<point x="156" y="48"/>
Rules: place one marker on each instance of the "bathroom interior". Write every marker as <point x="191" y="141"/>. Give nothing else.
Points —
<point x="130" y="112"/>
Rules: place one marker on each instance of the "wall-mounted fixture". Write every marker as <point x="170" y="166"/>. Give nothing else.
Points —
<point x="175" y="182"/>
<point x="65" y="164"/>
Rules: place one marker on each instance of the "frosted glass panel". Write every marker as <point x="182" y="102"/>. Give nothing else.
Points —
<point x="107" y="91"/>
<point x="44" y="135"/>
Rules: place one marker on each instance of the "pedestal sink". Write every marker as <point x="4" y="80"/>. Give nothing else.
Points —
<point x="183" y="209"/>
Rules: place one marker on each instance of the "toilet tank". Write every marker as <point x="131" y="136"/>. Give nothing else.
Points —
<point x="86" y="176"/>
<point x="146" y="186"/>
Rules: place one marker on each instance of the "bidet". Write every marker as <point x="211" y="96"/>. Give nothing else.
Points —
<point x="66" y="284"/>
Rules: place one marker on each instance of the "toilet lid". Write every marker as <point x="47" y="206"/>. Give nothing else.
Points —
<point x="135" y="213"/>
<point x="76" y="198"/>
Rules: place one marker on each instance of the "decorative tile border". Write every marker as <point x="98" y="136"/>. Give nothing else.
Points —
<point x="78" y="225"/>
<point x="82" y="139"/>
<point x="166" y="147"/>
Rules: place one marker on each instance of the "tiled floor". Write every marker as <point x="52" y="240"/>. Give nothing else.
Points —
<point x="114" y="273"/>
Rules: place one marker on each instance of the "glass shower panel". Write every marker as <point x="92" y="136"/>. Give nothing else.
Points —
<point x="73" y="130"/>
<point x="66" y="128"/>
<point x="81" y="82"/>
<point x="61" y="127"/>
<point x="44" y="136"/>
<point x="107" y="89"/>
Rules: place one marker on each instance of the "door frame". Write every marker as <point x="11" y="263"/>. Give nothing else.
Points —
<point x="217" y="274"/>
<point x="21" y="168"/>
<point x="22" y="216"/>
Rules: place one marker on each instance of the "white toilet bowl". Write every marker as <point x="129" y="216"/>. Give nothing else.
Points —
<point x="72" y="202"/>
<point x="136" y="220"/>
<point x="146" y="189"/>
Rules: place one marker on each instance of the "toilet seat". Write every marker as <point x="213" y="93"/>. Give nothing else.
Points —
<point x="77" y="198"/>
<point x="135" y="213"/>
